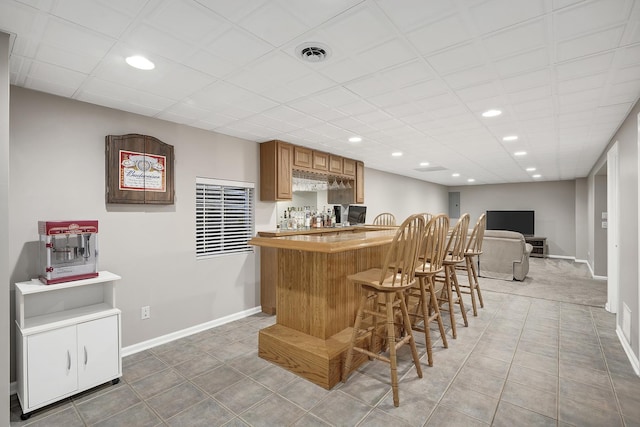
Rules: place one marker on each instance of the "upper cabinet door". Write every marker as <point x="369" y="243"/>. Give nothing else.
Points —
<point x="302" y="158"/>
<point x="335" y="164"/>
<point x="276" y="174"/>
<point x="320" y="161"/>
<point x="359" y="182"/>
<point x="349" y="167"/>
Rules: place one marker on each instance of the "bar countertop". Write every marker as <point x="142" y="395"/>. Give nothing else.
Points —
<point x="327" y="240"/>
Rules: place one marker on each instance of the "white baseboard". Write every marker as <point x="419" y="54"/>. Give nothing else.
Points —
<point x="635" y="364"/>
<point x="572" y="258"/>
<point x="145" y="345"/>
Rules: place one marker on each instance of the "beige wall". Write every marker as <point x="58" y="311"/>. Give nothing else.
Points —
<point x="57" y="172"/>
<point x="402" y="196"/>
<point x="627" y="138"/>
<point x="553" y="203"/>
<point x="599" y="233"/>
<point x="582" y="230"/>
<point x="4" y="226"/>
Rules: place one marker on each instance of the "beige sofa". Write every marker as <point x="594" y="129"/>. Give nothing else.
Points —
<point x="505" y="255"/>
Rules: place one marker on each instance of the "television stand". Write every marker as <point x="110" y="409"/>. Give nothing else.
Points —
<point x="539" y="246"/>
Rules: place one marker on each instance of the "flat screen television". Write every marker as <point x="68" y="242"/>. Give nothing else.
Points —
<point x="520" y="221"/>
<point x="357" y="214"/>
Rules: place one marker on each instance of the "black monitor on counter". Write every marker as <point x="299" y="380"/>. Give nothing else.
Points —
<point x="357" y="214"/>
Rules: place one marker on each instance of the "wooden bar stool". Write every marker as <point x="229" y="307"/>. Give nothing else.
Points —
<point x="385" y="218"/>
<point x="430" y="264"/>
<point x="471" y="254"/>
<point x="382" y="295"/>
<point x="454" y="255"/>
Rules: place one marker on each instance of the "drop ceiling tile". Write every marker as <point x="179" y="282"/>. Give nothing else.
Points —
<point x="17" y="18"/>
<point x="238" y="47"/>
<point x="410" y="13"/>
<point x="481" y="91"/>
<point x="315" y="13"/>
<point x="361" y="27"/>
<point x="589" y="44"/>
<point x="457" y="58"/>
<point x="178" y="82"/>
<point x="631" y="87"/>
<point x="71" y="60"/>
<point x="310" y="84"/>
<point x="628" y="56"/>
<point x="209" y="64"/>
<point x="188" y="20"/>
<point x="522" y="63"/>
<point x="516" y="39"/>
<point x="532" y="94"/>
<point x="150" y="39"/>
<point x="129" y="7"/>
<point x="273" y="23"/>
<point x="441" y="105"/>
<point x="493" y="15"/>
<point x="408" y="73"/>
<point x="626" y="74"/>
<point x="590" y="65"/>
<point x="55" y="74"/>
<point x="528" y="80"/>
<point x="439" y="35"/>
<point x="232" y="10"/>
<point x="545" y="106"/>
<point x="470" y="77"/>
<point x="590" y="16"/>
<point x="49" y="86"/>
<point x="388" y="54"/>
<point x="94" y="16"/>
<point x="121" y="97"/>
<point x="345" y="70"/>
<point x="357" y="107"/>
<point x="369" y="86"/>
<point x="582" y="83"/>
<point x="74" y="38"/>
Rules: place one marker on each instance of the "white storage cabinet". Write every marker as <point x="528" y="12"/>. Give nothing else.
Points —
<point x="67" y="339"/>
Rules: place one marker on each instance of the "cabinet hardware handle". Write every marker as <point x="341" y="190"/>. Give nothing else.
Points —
<point x="86" y="356"/>
<point x="68" y="361"/>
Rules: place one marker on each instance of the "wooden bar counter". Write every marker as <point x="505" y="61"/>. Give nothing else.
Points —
<point x="315" y="305"/>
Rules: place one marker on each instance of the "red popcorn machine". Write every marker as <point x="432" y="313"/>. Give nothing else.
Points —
<point x="68" y="250"/>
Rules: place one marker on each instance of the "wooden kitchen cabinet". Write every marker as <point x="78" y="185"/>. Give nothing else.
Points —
<point x="276" y="171"/>
<point x="335" y="164"/>
<point x="359" y="182"/>
<point x="349" y="167"/>
<point x="302" y="158"/>
<point x="67" y="339"/>
<point x="320" y="162"/>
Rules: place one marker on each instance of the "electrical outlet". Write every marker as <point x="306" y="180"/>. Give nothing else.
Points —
<point x="145" y="312"/>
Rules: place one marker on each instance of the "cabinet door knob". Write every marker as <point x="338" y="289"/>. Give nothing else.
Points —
<point x="86" y="355"/>
<point x="68" y="361"/>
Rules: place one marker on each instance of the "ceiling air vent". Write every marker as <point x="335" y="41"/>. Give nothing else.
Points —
<point x="430" y="169"/>
<point x="313" y="52"/>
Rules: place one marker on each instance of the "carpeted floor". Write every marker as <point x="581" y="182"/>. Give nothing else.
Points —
<point x="553" y="279"/>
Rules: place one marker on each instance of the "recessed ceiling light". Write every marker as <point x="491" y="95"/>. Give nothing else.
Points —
<point x="424" y="163"/>
<point x="531" y="169"/>
<point x="537" y="175"/>
<point x="491" y="113"/>
<point x="140" y="62"/>
<point x="471" y="180"/>
<point x="520" y="153"/>
<point x="510" y="138"/>
<point x="455" y="175"/>
<point x="355" y="139"/>
<point x="397" y="154"/>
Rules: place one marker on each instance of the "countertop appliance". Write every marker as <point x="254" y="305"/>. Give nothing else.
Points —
<point x="68" y="250"/>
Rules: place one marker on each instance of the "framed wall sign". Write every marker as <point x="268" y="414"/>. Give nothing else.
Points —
<point x="139" y="169"/>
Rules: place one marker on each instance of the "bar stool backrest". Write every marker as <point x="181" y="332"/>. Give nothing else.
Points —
<point x="474" y="244"/>
<point x="457" y="240"/>
<point x="400" y="262"/>
<point x="434" y="244"/>
<point x="385" y="218"/>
